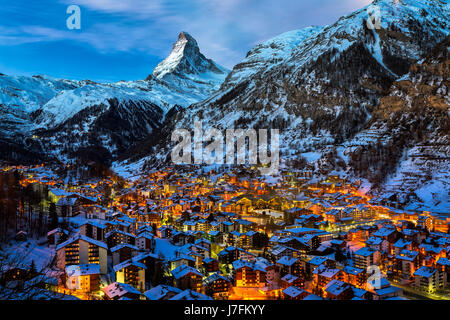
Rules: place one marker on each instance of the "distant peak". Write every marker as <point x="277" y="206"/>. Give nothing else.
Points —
<point x="185" y="59"/>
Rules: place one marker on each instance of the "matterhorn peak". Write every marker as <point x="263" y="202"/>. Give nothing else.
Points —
<point x="185" y="59"/>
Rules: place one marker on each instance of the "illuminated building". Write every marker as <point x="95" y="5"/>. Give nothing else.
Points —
<point x="82" y="250"/>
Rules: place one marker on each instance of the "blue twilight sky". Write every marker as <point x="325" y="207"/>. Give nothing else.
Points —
<point x="125" y="39"/>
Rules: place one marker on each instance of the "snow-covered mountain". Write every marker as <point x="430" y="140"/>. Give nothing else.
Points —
<point x="66" y="118"/>
<point x="411" y="141"/>
<point x="319" y="86"/>
<point x="268" y="55"/>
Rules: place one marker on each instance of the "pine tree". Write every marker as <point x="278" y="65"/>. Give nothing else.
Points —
<point x="53" y="216"/>
<point x="33" y="271"/>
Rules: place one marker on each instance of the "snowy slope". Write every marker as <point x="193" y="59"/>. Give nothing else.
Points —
<point x="269" y="54"/>
<point x="20" y="96"/>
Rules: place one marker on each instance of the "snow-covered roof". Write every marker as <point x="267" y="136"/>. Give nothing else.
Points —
<point x="352" y="270"/>
<point x="287" y="261"/>
<point x="190" y="295"/>
<point x="444" y="261"/>
<point x="293" y="291"/>
<point x="365" y="252"/>
<point x="118" y="289"/>
<point x="336" y="287"/>
<point x="183" y="270"/>
<point x="123" y="245"/>
<point x="318" y="260"/>
<point x="425" y="271"/>
<point x="383" y="232"/>
<point x="214" y="277"/>
<point x="127" y="263"/>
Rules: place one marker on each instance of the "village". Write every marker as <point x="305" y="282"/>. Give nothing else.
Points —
<point x="196" y="233"/>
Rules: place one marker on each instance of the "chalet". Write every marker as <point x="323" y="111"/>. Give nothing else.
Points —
<point x="217" y="286"/>
<point x="145" y="241"/>
<point x="338" y="290"/>
<point x="189" y="294"/>
<point x="279" y="251"/>
<point x="361" y="294"/>
<point x="431" y="253"/>
<point x="291" y="280"/>
<point x="82" y="250"/>
<point x="93" y="229"/>
<point x="366" y="257"/>
<point x="381" y="289"/>
<point x="248" y="274"/>
<point x="294" y="293"/>
<point x="242" y="225"/>
<point x="226" y="226"/>
<point x="164" y="232"/>
<point x="215" y="236"/>
<point x="322" y="275"/>
<point x="243" y="240"/>
<point x="123" y="252"/>
<point x="116" y="237"/>
<point x="406" y="263"/>
<point x="182" y="238"/>
<point x="152" y="262"/>
<point x="389" y="234"/>
<point x="203" y="243"/>
<point x="182" y="259"/>
<point x="317" y="261"/>
<point x="131" y="272"/>
<point x="443" y="266"/>
<point x="426" y="279"/>
<point x="333" y="215"/>
<point x="57" y="236"/>
<point x="211" y="265"/>
<point x="401" y="245"/>
<point x="289" y="265"/>
<point x="230" y="254"/>
<point x="303" y="245"/>
<point x="74" y="204"/>
<point x="55" y="194"/>
<point x="377" y="243"/>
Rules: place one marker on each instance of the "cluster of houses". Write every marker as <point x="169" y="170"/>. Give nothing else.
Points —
<point x="236" y="235"/>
